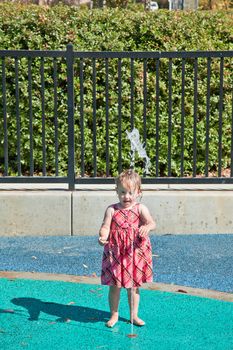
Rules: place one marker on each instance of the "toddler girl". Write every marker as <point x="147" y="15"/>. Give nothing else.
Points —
<point x="127" y="256"/>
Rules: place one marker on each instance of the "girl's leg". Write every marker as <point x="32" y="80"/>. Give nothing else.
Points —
<point x="133" y="300"/>
<point x="113" y="297"/>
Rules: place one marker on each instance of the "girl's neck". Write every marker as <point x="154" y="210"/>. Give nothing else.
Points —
<point x="119" y="206"/>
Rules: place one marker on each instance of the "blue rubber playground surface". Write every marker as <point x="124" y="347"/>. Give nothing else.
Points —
<point x="56" y="314"/>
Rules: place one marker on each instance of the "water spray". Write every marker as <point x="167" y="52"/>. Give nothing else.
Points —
<point x="136" y="146"/>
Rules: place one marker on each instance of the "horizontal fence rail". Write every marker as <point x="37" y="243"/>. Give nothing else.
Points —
<point x="65" y="116"/>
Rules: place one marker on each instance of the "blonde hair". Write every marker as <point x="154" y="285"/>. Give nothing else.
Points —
<point x="130" y="180"/>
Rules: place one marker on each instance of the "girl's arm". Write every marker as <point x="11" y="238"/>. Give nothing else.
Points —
<point x="148" y="222"/>
<point x="105" y="227"/>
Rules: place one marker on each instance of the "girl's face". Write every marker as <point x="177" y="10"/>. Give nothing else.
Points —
<point x="127" y="196"/>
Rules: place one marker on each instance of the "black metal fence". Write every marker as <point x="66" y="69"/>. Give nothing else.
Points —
<point x="64" y="115"/>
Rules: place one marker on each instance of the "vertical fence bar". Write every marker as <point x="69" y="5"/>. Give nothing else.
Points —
<point x="70" y="102"/>
<point x="94" y="116"/>
<point x="81" y="122"/>
<point x="55" y="114"/>
<point x="220" y="118"/>
<point x="232" y="131"/>
<point x="30" y="115"/>
<point x="4" y="103"/>
<point x="207" y="141"/>
<point x="157" y="118"/>
<point x="144" y="105"/>
<point x="119" y="117"/>
<point x="144" y="100"/>
<point x="169" y="146"/>
<point x="182" y="118"/>
<point x="43" y="114"/>
<point x="107" y="114"/>
<point x="132" y="93"/>
<point x="17" y="116"/>
<point x="195" y="118"/>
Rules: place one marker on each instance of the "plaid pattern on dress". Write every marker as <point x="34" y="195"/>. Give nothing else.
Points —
<point x="127" y="258"/>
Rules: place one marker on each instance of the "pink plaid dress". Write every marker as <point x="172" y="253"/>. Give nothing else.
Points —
<point x="127" y="258"/>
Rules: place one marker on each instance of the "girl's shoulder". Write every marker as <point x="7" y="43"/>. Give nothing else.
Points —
<point x="111" y="208"/>
<point x="142" y="207"/>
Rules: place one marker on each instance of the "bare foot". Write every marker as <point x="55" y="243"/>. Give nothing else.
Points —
<point x="138" y="322"/>
<point x="112" y="321"/>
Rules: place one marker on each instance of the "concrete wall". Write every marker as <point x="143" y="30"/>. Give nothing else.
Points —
<point x="35" y="213"/>
<point x="60" y="212"/>
<point x="175" y="212"/>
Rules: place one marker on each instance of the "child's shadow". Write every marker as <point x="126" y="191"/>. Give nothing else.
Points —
<point x="63" y="312"/>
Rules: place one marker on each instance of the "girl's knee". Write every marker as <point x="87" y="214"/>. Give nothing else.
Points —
<point x="115" y="289"/>
<point x="135" y="290"/>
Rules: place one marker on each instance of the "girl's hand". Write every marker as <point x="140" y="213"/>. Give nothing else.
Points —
<point x="105" y="227"/>
<point x="102" y="241"/>
<point x="103" y="235"/>
<point x="144" y="230"/>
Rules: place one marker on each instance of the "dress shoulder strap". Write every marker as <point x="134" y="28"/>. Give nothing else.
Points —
<point x="114" y="206"/>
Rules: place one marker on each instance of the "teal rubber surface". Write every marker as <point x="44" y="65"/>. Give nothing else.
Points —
<point x="56" y="315"/>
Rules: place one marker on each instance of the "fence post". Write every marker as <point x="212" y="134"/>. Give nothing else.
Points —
<point x="70" y="102"/>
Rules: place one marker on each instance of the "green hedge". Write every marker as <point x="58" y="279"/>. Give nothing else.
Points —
<point x="33" y="27"/>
